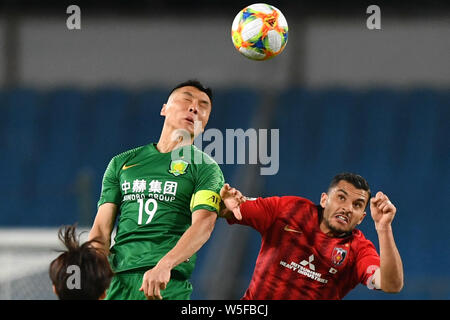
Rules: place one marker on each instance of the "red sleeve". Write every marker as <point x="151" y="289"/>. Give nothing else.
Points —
<point x="258" y="214"/>
<point x="367" y="262"/>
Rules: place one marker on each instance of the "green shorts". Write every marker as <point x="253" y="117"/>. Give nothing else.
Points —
<point x="125" y="286"/>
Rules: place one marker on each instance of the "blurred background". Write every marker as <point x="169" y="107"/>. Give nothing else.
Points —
<point x="344" y="98"/>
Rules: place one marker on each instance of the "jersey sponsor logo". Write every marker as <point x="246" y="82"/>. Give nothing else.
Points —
<point x="154" y="186"/>
<point x="125" y="167"/>
<point x="286" y="228"/>
<point x="159" y="190"/>
<point x="309" y="263"/>
<point x="338" y="256"/>
<point x="305" y="268"/>
<point x="178" y="167"/>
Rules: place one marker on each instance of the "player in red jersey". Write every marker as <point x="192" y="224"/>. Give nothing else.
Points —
<point x="311" y="251"/>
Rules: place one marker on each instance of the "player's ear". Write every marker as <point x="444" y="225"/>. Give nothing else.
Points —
<point x="323" y="199"/>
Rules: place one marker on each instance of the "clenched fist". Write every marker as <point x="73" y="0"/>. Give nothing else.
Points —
<point x="382" y="211"/>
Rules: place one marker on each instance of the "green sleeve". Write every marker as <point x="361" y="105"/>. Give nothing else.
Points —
<point x="110" y="186"/>
<point x="207" y="189"/>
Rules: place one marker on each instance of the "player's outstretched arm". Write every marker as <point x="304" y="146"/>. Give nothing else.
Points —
<point x="156" y="279"/>
<point x="231" y="200"/>
<point x="389" y="277"/>
<point x="103" y="225"/>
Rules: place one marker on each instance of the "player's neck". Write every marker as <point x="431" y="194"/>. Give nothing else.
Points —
<point x="172" y="139"/>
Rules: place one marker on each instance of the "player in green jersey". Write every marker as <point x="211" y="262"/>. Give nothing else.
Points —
<point x="166" y="203"/>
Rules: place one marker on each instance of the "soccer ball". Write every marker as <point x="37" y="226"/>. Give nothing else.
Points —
<point x="259" y="31"/>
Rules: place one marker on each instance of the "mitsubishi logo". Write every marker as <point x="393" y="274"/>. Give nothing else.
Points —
<point x="310" y="265"/>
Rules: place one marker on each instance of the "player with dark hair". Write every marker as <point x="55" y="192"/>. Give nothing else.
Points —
<point x="88" y="266"/>
<point x="166" y="201"/>
<point x="311" y="251"/>
<point x="196" y="84"/>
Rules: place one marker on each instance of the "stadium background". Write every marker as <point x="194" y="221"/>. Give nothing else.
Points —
<point x="345" y="98"/>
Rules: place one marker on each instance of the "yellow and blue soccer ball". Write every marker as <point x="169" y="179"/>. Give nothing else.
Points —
<point x="259" y="31"/>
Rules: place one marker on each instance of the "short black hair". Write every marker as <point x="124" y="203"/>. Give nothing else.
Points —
<point x="194" y="83"/>
<point x="355" y="179"/>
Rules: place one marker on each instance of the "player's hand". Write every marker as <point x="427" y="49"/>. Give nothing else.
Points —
<point x="382" y="210"/>
<point x="231" y="198"/>
<point x="154" y="281"/>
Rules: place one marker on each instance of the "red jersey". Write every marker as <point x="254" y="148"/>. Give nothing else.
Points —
<point x="297" y="260"/>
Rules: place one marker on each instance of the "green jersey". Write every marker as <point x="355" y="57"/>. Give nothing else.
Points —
<point x="157" y="193"/>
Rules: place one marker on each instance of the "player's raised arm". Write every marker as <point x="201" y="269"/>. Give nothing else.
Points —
<point x="389" y="277"/>
<point x="103" y="225"/>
